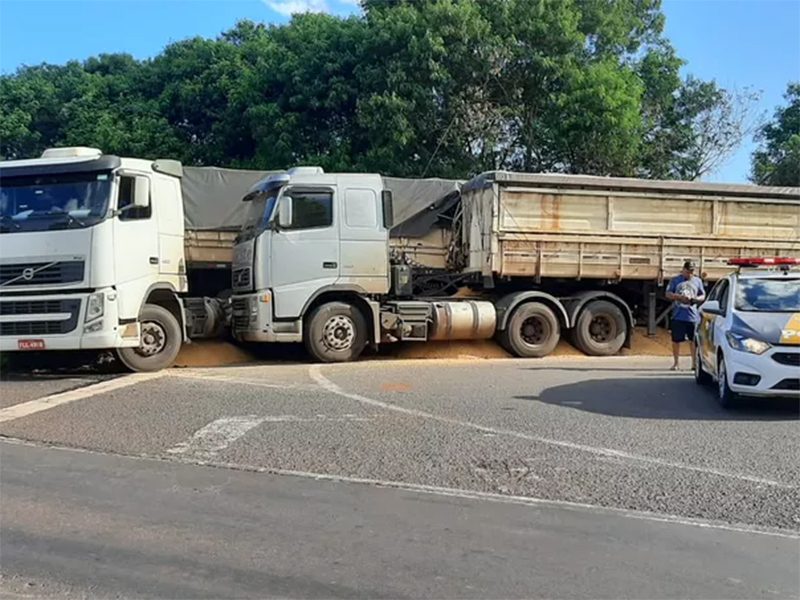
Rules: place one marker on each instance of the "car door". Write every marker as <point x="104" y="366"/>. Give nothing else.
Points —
<point x="705" y="333"/>
<point x="718" y="323"/>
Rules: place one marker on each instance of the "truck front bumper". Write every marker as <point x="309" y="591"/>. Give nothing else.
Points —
<point x="252" y="321"/>
<point x="64" y="322"/>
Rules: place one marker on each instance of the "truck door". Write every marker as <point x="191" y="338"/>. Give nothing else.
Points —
<point x="136" y="253"/>
<point x="305" y="248"/>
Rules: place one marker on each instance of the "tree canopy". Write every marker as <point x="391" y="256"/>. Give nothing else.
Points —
<point x="408" y="88"/>
<point x="777" y="160"/>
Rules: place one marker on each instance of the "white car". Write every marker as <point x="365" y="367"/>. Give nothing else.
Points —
<point x="748" y="337"/>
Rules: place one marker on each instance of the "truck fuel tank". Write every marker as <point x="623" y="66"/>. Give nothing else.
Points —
<point x="462" y="320"/>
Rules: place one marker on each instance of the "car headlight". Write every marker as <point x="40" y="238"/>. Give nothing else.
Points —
<point x="95" y="306"/>
<point x="746" y="344"/>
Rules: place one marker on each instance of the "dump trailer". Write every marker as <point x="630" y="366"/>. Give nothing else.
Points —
<point x="322" y="258"/>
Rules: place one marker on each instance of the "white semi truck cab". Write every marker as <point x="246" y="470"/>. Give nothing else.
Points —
<point x="312" y="264"/>
<point x="92" y="257"/>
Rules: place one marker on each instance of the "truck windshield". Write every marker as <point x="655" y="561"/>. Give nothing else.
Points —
<point x="768" y="295"/>
<point x="259" y="212"/>
<point x="51" y="202"/>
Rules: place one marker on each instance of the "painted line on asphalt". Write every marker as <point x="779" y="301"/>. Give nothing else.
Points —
<point x="25" y="409"/>
<point x="207" y="442"/>
<point x="315" y="372"/>
<point x="439" y="491"/>
<point x="240" y="381"/>
<point x="215" y="437"/>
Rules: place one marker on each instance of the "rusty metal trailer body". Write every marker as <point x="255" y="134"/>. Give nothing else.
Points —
<point x="580" y="239"/>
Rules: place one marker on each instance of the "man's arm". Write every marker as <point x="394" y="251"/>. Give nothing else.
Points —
<point x="701" y="291"/>
<point x="671" y="295"/>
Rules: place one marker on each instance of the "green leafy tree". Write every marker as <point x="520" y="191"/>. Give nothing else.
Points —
<point x="413" y="88"/>
<point x="777" y="160"/>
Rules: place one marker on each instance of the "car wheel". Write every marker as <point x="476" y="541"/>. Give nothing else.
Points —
<point x="700" y="376"/>
<point x="727" y="397"/>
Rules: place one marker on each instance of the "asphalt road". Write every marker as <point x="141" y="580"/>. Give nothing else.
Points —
<point x="556" y="478"/>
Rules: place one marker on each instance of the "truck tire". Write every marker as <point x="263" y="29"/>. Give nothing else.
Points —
<point x="161" y="341"/>
<point x="532" y="331"/>
<point x="601" y="329"/>
<point x="336" y="332"/>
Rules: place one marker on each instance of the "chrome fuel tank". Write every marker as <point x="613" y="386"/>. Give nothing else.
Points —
<point x="463" y="320"/>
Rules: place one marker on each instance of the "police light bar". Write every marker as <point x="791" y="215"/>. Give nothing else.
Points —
<point x="766" y="262"/>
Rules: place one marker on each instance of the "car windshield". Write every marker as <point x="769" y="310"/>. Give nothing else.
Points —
<point x="53" y="201"/>
<point x="259" y="211"/>
<point x="768" y="295"/>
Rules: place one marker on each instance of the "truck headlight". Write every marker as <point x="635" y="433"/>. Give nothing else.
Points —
<point x="746" y="344"/>
<point x="95" y="306"/>
<point x="253" y="308"/>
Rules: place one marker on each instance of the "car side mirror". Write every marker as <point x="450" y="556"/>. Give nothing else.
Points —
<point x="711" y="307"/>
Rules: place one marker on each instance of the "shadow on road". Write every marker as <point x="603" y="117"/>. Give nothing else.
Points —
<point x="667" y="397"/>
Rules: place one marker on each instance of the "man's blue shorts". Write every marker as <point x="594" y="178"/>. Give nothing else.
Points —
<point x="682" y="331"/>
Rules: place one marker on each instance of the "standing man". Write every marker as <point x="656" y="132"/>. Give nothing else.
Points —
<point x="686" y="292"/>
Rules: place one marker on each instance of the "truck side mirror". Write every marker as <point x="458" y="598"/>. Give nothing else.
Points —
<point x="141" y="192"/>
<point x="284" y="217"/>
<point x="387" y="208"/>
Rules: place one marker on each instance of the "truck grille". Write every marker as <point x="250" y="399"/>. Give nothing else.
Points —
<point x="31" y="307"/>
<point x="241" y="313"/>
<point x="41" y="273"/>
<point x="39" y="307"/>
<point x="242" y="278"/>
<point x="791" y="359"/>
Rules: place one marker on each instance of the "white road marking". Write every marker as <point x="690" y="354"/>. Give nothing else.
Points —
<point x="444" y="491"/>
<point x="522" y="500"/>
<point x="34" y="406"/>
<point x="239" y="380"/>
<point x="207" y="442"/>
<point x="315" y="373"/>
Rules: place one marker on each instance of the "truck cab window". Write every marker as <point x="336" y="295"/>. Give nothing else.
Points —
<point x="126" y="191"/>
<point x="306" y="210"/>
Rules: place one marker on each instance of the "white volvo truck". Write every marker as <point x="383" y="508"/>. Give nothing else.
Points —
<point x="316" y="263"/>
<point x="93" y="256"/>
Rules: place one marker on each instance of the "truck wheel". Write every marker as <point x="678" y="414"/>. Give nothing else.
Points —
<point x="336" y="332"/>
<point x="533" y="331"/>
<point x="601" y="329"/>
<point x="160" y="343"/>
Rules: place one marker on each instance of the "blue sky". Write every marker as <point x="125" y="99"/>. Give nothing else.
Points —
<point x="740" y="43"/>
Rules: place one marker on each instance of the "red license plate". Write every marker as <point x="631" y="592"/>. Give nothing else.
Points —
<point x="30" y="344"/>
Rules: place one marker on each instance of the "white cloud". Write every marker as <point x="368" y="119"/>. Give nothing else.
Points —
<point x="291" y="7"/>
<point x="288" y="8"/>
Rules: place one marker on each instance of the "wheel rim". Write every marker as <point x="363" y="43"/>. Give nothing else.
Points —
<point x="154" y="339"/>
<point x="534" y="331"/>
<point x="339" y="333"/>
<point x="602" y="329"/>
<point x="722" y="379"/>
